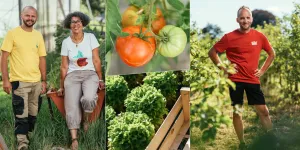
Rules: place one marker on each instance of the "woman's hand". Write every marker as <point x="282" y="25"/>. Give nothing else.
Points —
<point x="101" y="85"/>
<point x="60" y="92"/>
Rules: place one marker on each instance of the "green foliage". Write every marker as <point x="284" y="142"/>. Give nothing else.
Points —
<point x="134" y="80"/>
<point x="166" y="82"/>
<point x="110" y="114"/>
<point x="97" y="6"/>
<point x="53" y="76"/>
<point x="130" y="131"/>
<point x="148" y="100"/>
<point x="209" y="87"/>
<point x="116" y="92"/>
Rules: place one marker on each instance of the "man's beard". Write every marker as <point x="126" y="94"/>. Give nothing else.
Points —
<point x="27" y="25"/>
<point x="244" y="29"/>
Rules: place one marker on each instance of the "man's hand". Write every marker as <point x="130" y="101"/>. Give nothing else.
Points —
<point x="231" y="70"/>
<point x="60" y="92"/>
<point x="6" y="87"/>
<point x="101" y="85"/>
<point x="44" y="87"/>
<point x="259" y="72"/>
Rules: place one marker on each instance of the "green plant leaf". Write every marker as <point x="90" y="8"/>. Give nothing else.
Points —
<point x="176" y="4"/>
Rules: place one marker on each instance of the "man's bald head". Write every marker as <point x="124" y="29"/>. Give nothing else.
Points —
<point x="243" y="8"/>
<point x="26" y="8"/>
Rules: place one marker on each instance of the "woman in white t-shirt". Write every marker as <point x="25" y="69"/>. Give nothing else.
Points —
<point x="81" y="74"/>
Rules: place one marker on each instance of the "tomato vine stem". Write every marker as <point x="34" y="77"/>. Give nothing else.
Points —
<point x="149" y="29"/>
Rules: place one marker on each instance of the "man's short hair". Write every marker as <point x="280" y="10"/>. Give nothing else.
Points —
<point x="243" y="7"/>
<point x="29" y="7"/>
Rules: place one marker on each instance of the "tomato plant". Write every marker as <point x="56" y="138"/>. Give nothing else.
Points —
<point x="153" y="16"/>
<point x="136" y="49"/>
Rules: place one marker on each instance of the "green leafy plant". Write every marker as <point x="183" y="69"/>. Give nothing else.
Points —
<point x="110" y="114"/>
<point x="130" y="131"/>
<point x="53" y="76"/>
<point x="209" y="88"/>
<point x="148" y="100"/>
<point x="166" y="82"/>
<point x="116" y="92"/>
<point x="134" y="80"/>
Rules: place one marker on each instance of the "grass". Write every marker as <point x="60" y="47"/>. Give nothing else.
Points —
<point x="50" y="133"/>
<point x="286" y="125"/>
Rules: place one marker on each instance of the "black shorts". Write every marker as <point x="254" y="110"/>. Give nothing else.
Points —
<point x="254" y="94"/>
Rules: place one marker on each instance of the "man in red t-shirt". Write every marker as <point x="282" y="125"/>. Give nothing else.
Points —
<point x="243" y="47"/>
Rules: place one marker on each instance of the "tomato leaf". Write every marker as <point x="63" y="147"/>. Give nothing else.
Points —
<point x="108" y="60"/>
<point x="140" y="19"/>
<point x="137" y="3"/>
<point x="176" y="4"/>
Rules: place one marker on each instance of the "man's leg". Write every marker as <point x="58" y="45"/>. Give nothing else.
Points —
<point x="236" y="96"/>
<point x="20" y="92"/>
<point x="256" y="97"/>
<point x="264" y="116"/>
<point x="33" y="104"/>
<point x="238" y="122"/>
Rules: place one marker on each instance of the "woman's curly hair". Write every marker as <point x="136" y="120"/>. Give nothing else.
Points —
<point x="85" y="19"/>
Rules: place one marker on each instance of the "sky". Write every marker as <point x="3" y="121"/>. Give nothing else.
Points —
<point x="9" y="15"/>
<point x="224" y="12"/>
<point x="219" y="12"/>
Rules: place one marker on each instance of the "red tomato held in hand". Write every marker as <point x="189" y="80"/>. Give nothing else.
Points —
<point x="135" y="51"/>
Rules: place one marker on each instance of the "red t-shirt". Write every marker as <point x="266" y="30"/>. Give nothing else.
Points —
<point x="243" y="49"/>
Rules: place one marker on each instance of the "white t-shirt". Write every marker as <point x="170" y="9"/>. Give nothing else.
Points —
<point x="80" y="57"/>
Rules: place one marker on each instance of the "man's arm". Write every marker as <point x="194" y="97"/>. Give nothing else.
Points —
<point x="267" y="63"/>
<point x="213" y="55"/>
<point x="43" y="67"/>
<point x="4" y="70"/>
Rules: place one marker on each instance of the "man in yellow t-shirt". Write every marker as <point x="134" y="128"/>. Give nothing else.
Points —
<point x="25" y="49"/>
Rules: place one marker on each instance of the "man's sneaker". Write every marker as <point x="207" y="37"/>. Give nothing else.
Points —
<point x="22" y="142"/>
<point x="22" y="146"/>
<point x="242" y="146"/>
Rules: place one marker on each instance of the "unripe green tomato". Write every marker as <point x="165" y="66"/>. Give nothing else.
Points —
<point x="173" y="41"/>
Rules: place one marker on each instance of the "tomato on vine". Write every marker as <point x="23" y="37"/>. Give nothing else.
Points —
<point x="137" y="48"/>
<point x="131" y="15"/>
<point x="172" y="41"/>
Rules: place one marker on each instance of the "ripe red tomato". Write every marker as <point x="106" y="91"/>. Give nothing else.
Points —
<point x="135" y="51"/>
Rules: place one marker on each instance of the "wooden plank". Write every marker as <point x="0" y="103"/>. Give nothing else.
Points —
<point x="3" y="146"/>
<point x="173" y="132"/>
<point x="187" y="145"/>
<point x="185" y="93"/>
<point x="165" y="126"/>
<point x="181" y="134"/>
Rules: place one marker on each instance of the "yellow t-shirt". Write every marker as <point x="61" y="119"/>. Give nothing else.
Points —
<point x="25" y="49"/>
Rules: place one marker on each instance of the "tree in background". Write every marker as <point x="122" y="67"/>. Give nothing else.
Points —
<point x="261" y="16"/>
<point x="213" y="30"/>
